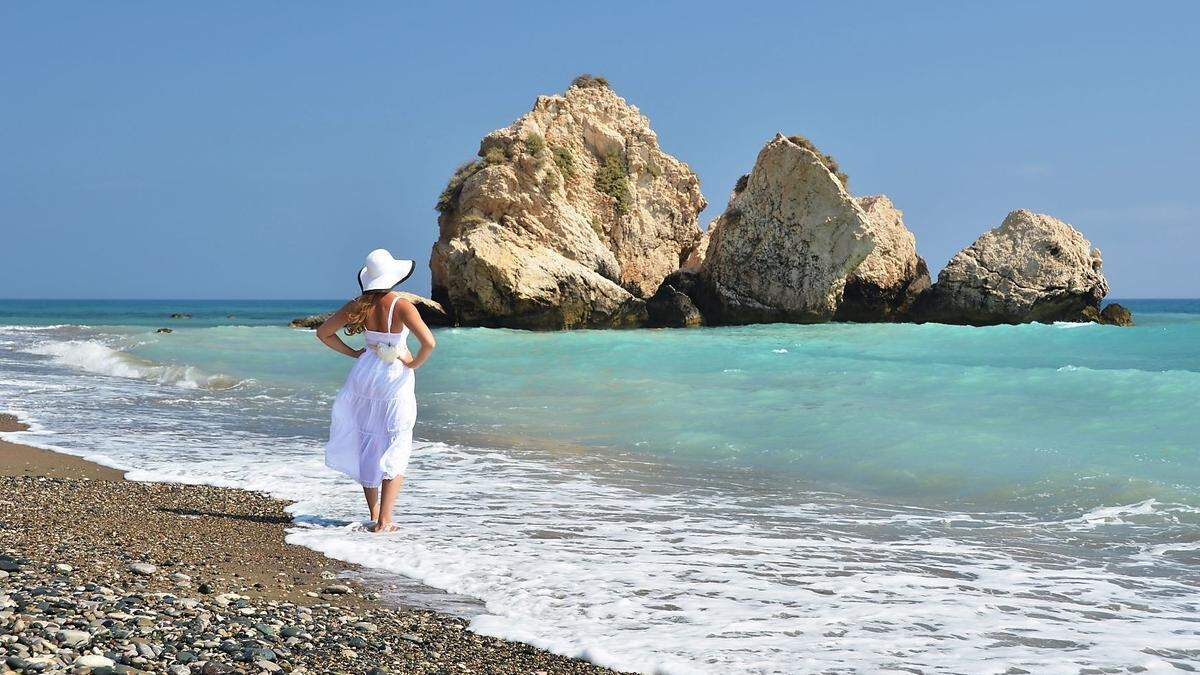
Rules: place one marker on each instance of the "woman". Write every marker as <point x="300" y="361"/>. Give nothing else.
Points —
<point x="370" y="437"/>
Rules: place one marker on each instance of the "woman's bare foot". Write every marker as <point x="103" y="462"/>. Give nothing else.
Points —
<point x="384" y="526"/>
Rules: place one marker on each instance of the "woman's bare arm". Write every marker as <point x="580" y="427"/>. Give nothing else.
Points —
<point x="412" y="318"/>
<point x="327" y="333"/>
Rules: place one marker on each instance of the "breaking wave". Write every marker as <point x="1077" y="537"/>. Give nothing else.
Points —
<point x="95" y="357"/>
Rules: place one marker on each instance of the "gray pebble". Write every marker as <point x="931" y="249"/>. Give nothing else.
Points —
<point x="143" y="569"/>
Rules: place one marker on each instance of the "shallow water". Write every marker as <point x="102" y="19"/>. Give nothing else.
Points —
<point x="757" y="499"/>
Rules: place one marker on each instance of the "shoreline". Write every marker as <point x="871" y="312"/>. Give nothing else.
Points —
<point x="166" y="577"/>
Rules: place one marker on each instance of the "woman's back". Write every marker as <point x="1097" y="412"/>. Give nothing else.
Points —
<point x="382" y="316"/>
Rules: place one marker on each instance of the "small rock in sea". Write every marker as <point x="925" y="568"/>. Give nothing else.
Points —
<point x="310" y="321"/>
<point x="181" y="315"/>
<point x="73" y="638"/>
<point x="1116" y="315"/>
<point x="143" y="569"/>
<point x="164" y="330"/>
<point x="337" y="589"/>
<point x="94" y="661"/>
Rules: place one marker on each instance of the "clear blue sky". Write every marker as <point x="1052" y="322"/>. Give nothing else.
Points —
<point x="260" y="149"/>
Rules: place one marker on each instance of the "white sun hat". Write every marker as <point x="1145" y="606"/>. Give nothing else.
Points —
<point x="382" y="271"/>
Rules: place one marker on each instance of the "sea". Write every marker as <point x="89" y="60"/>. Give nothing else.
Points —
<point x="760" y="499"/>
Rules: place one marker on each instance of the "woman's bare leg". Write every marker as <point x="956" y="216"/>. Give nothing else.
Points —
<point x="372" y="495"/>
<point x="391" y="486"/>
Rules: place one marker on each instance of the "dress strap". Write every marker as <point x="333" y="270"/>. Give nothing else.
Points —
<point x="391" y="311"/>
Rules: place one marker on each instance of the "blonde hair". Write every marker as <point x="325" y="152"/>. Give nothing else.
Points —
<point x="360" y="308"/>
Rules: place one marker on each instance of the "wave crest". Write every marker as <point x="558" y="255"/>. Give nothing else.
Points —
<point x="95" y="357"/>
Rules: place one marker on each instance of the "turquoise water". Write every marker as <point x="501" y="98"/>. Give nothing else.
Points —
<point x="806" y="474"/>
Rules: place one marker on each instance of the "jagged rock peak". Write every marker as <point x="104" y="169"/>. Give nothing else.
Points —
<point x="579" y="189"/>
<point x="784" y="246"/>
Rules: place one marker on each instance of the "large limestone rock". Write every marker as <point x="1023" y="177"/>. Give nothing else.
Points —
<point x="501" y="280"/>
<point x="1032" y="267"/>
<point x="884" y="286"/>
<point x="571" y="218"/>
<point x="784" y="246"/>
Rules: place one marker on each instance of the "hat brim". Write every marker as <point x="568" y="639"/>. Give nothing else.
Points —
<point x="396" y="273"/>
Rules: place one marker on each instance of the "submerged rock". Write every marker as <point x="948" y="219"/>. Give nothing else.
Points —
<point x="1032" y="267"/>
<point x="181" y="315"/>
<point x="164" y="330"/>
<point x="783" y="248"/>
<point x="1112" y="315"/>
<point x="1116" y="315"/>
<point x="571" y="218"/>
<point x="431" y="313"/>
<point x="884" y="286"/>
<point x="312" y="321"/>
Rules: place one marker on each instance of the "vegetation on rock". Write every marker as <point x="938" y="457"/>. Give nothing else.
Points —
<point x="828" y="160"/>
<point x="535" y="143"/>
<point x="495" y="155"/>
<point x="453" y="188"/>
<point x="565" y="160"/>
<point x="586" y="80"/>
<point x="741" y="184"/>
<point x="612" y="178"/>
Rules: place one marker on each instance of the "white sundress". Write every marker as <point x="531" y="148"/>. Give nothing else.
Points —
<point x="370" y="436"/>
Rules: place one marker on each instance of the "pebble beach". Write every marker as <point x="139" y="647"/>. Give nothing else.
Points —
<point x="103" y="575"/>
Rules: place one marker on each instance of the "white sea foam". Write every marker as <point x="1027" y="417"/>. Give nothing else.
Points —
<point x="28" y="329"/>
<point x="95" y="357"/>
<point x="648" y="566"/>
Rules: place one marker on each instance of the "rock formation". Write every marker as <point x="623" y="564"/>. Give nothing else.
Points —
<point x="431" y="313"/>
<point x="1032" y="267"/>
<point x="671" y="306"/>
<point x="310" y="322"/>
<point x="1116" y="315"/>
<point x="884" y="286"/>
<point x="571" y="218"/>
<point x="1113" y="314"/>
<point x="784" y="246"/>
